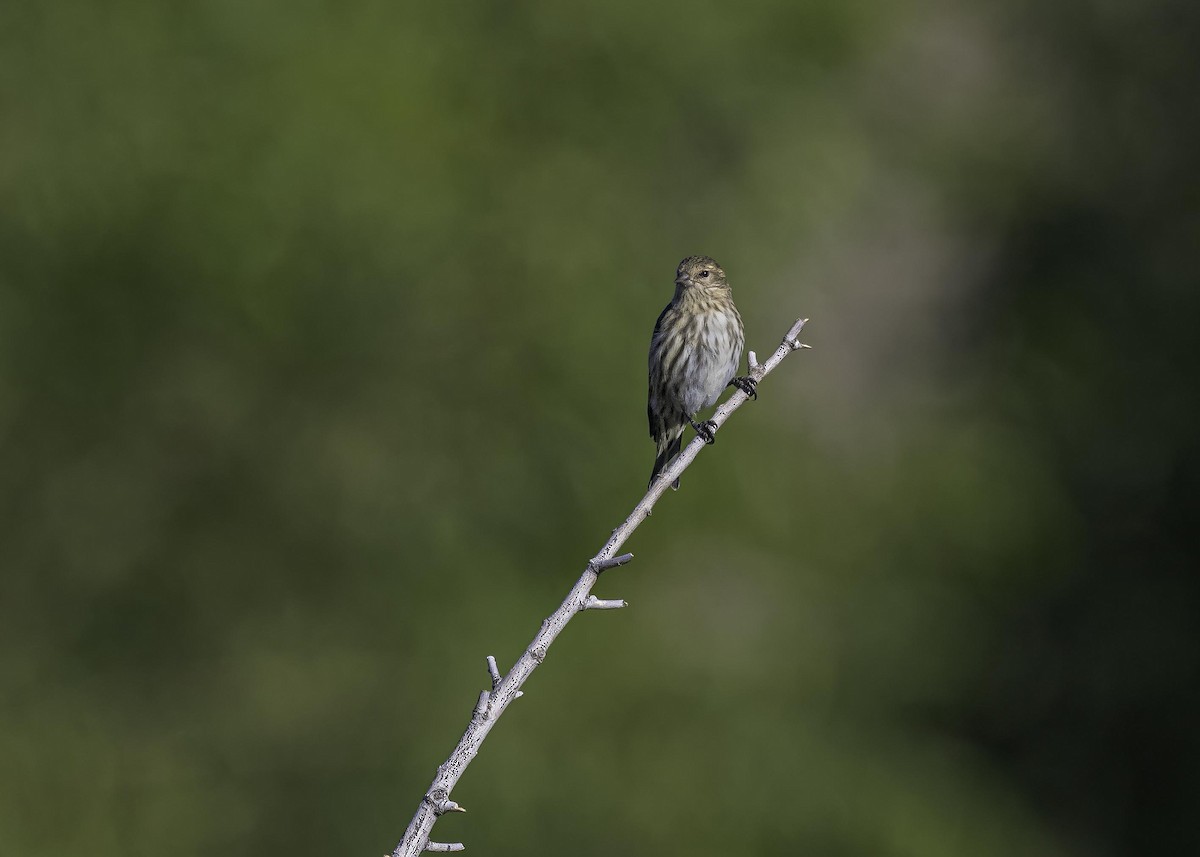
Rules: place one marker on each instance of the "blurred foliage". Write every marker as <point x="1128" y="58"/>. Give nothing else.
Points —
<point x="322" y="366"/>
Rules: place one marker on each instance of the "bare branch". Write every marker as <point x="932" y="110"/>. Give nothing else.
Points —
<point x="504" y="690"/>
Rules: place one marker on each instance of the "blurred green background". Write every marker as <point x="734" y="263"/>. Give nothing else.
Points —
<point x="322" y="372"/>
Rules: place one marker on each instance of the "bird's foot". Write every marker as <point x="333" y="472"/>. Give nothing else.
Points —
<point x="707" y="430"/>
<point x="747" y="385"/>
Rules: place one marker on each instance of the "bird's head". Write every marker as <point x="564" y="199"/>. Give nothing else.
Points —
<point x="700" y="272"/>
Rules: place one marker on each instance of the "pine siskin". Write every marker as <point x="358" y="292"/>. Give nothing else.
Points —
<point x="694" y="355"/>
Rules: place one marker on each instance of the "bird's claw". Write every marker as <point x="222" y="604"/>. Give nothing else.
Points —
<point x="706" y="430"/>
<point x="747" y="385"/>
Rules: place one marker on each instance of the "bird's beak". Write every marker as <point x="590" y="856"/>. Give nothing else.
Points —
<point x="683" y="280"/>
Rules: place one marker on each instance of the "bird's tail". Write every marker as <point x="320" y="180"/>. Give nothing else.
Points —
<point x="668" y="448"/>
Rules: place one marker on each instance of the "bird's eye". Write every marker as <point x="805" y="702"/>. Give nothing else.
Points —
<point x="704" y="275"/>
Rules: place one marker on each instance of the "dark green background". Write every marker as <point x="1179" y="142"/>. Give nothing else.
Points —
<point x="322" y="372"/>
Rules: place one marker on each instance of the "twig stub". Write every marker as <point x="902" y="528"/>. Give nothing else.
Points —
<point x="602" y="565"/>
<point x="494" y="672"/>
<point x="594" y="603"/>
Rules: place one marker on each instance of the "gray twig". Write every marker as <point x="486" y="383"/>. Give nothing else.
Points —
<point x="505" y="689"/>
<point x="599" y="565"/>
<point x="594" y="603"/>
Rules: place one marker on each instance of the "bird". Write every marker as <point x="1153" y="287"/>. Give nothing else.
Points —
<point x="695" y="352"/>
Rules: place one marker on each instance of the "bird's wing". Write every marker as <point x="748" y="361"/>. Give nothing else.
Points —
<point x="650" y="388"/>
